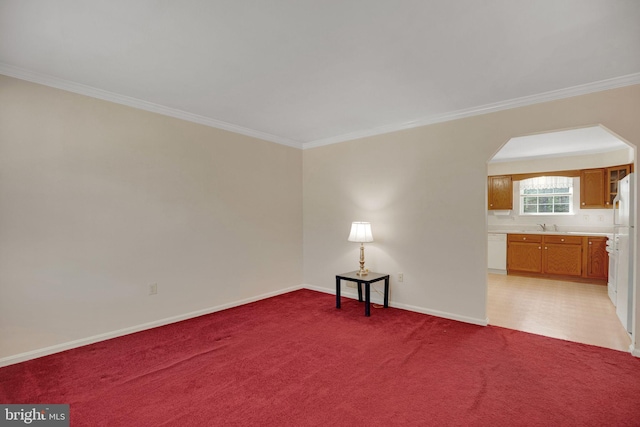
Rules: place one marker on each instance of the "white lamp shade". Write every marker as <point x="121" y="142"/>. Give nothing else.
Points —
<point x="361" y="232"/>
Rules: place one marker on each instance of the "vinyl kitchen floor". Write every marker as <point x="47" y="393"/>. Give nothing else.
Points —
<point x="571" y="311"/>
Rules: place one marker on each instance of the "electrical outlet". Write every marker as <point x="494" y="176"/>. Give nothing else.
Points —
<point x="585" y="217"/>
<point x="153" y="289"/>
<point x="400" y="277"/>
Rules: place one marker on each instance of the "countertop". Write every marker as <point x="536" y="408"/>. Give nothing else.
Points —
<point x="561" y="233"/>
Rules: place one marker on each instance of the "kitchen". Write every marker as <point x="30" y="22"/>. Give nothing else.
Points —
<point x="551" y="228"/>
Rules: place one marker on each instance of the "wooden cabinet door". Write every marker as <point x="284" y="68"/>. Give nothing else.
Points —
<point x="592" y="188"/>
<point x="614" y="175"/>
<point x="500" y="192"/>
<point x="563" y="259"/>
<point x="525" y="257"/>
<point x="597" y="258"/>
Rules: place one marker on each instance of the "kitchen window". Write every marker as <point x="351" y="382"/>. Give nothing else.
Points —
<point x="546" y="195"/>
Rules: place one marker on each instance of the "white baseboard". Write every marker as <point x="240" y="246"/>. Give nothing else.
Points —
<point x="347" y="293"/>
<point x="34" y="354"/>
<point x="634" y="351"/>
<point x="379" y="300"/>
<point x="444" y="314"/>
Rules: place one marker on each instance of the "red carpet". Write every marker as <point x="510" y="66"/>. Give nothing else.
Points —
<point x="295" y="360"/>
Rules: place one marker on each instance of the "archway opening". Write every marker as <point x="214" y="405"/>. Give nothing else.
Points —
<point x="546" y="240"/>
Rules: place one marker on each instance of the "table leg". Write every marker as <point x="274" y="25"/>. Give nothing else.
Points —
<point x="359" y="292"/>
<point x="337" y="292"/>
<point x="367" y="295"/>
<point x="386" y="292"/>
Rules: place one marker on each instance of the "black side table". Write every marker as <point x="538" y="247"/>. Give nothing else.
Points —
<point x="367" y="281"/>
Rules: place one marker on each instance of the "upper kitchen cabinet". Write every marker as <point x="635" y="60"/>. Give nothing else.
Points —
<point x="500" y="192"/>
<point x="614" y="175"/>
<point x="598" y="187"/>
<point x="592" y="188"/>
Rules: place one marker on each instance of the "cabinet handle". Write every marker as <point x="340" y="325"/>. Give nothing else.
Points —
<point x="539" y="247"/>
<point x="590" y="243"/>
<point x="490" y="204"/>
<point x="583" y="203"/>
<point x="562" y="240"/>
<point x="546" y="247"/>
<point x="524" y="238"/>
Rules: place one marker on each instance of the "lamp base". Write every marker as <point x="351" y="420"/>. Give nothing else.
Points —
<point x="362" y="271"/>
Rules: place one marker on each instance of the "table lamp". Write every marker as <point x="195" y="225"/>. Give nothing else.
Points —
<point x="361" y="233"/>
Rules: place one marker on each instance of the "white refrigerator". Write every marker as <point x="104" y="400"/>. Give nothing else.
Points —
<point x="623" y="221"/>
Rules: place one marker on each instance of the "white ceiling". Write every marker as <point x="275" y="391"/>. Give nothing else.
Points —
<point x="589" y="140"/>
<point x="305" y="73"/>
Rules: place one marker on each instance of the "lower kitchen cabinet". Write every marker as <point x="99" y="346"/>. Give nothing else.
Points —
<point x="562" y="255"/>
<point x="597" y="258"/>
<point x="524" y="253"/>
<point x="558" y="255"/>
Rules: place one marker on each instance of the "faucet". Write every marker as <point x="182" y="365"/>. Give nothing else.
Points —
<point x="543" y="227"/>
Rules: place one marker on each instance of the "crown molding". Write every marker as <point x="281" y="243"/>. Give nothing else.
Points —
<point x="47" y="80"/>
<point x="613" y="83"/>
<point x="55" y="82"/>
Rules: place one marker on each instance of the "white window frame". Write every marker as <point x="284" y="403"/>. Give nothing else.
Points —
<point x="522" y="196"/>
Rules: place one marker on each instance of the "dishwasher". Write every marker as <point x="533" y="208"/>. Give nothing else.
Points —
<point x="497" y="259"/>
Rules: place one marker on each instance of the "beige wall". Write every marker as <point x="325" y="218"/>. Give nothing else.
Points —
<point x="424" y="191"/>
<point x="98" y="201"/>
